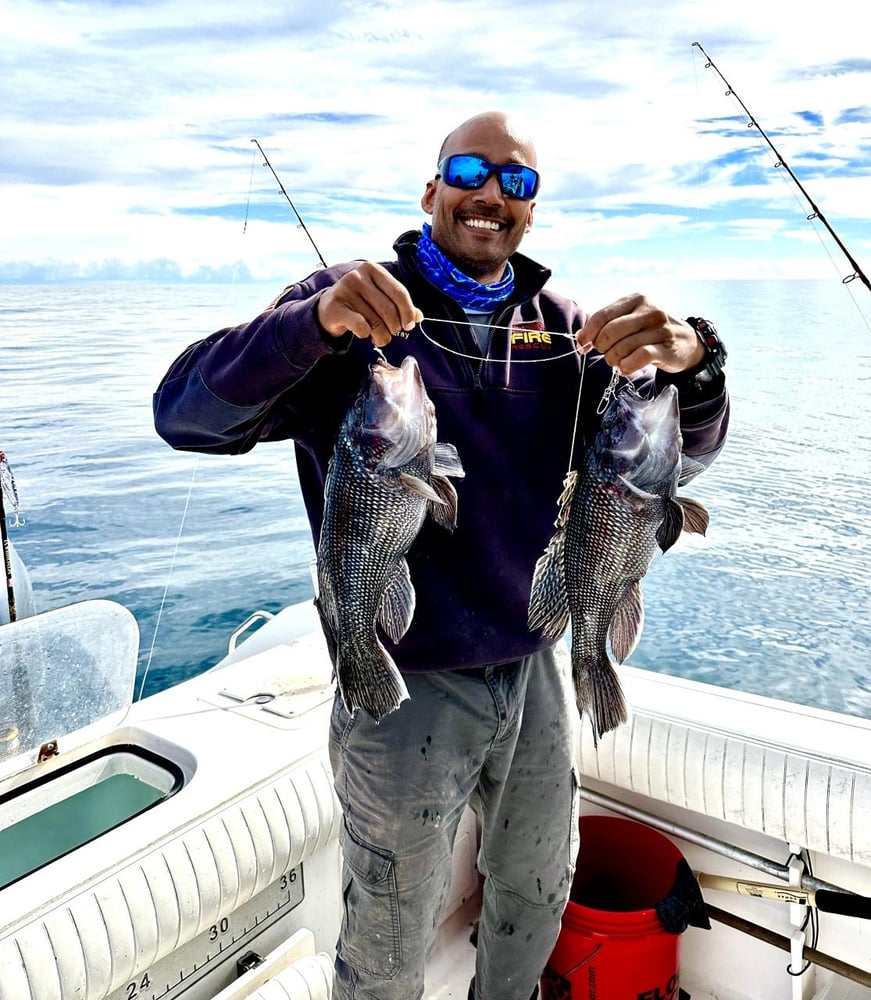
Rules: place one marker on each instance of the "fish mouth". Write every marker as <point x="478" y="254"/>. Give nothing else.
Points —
<point x="399" y="411"/>
<point x="643" y="435"/>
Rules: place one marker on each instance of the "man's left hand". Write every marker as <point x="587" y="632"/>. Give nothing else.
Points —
<point x="632" y="332"/>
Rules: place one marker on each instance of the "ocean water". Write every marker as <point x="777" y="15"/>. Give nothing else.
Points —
<point x="774" y="601"/>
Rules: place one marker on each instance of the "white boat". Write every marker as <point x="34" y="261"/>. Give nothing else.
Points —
<point x="186" y="845"/>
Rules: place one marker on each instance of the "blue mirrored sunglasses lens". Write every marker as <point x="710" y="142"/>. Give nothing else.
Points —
<point x="465" y="171"/>
<point x="471" y="173"/>
<point x="518" y="182"/>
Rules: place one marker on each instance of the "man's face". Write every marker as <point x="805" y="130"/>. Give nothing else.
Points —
<point x="479" y="230"/>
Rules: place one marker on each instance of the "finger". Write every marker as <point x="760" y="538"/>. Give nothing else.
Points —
<point x="635" y="361"/>
<point x="597" y="321"/>
<point x="609" y="340"/>
<point x="408" y="315"/>
<point x="381" y="314"/>
<point x="338" y="318"/>
<point x="355" y="303"/>
<point x="632" y="352"/>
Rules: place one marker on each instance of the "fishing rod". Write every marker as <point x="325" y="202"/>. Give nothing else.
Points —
<point x="266" y="163"/>
<point x="817" y="213"/>
<point x="847" y="904"/>
<point x="7" y="484"/>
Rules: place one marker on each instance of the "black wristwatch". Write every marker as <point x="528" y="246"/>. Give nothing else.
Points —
<point x="715" y="356"/>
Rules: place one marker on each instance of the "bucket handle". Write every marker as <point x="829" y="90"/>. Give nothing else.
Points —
<point x="583" y="961"/>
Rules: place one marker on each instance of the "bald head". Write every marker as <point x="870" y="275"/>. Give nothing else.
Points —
<point x="485" y="127"/>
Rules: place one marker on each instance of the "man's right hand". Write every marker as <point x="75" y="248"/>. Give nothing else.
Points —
<point x="369" y="302"/>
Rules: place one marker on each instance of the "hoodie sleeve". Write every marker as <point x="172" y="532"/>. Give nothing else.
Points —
<point x="238" y="386"/>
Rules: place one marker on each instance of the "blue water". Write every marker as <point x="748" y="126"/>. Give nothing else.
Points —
<point x="774" y="601"/>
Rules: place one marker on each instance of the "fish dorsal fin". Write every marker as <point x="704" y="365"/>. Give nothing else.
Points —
<point x="397" y="605"/>
<point x="628" y="622"/>
<point x="447" y="461"/>
<point x="444" y="513"/>
<point x="414" y="484"/>
<point x="672" y="525"/>
<point x="689" y="469"/>
<point x="695" y="516"/>
<point x="548" y="599"/>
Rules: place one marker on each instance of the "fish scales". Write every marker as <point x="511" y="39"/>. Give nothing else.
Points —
<point x="386" y="475"/>
<point x="615" y="511"/>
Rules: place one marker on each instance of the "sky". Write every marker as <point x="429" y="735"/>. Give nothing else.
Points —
<point x="126" y="128"/>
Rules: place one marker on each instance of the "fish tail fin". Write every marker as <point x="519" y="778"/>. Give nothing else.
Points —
<point x="599" y="693"/>
<point x="369" y="679"/>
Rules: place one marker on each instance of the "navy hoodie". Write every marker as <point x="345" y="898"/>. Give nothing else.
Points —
<point x="282" y="377"/>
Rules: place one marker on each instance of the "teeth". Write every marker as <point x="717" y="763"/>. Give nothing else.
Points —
<point x="482" y="224"/>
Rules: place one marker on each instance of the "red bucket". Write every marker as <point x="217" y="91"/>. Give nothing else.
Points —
<point x="612" y="945"/>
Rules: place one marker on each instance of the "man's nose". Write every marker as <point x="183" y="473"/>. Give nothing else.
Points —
<point x="491" y="190"/>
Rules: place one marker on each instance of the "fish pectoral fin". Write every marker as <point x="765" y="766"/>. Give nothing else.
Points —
<point x="672" y="525"/>
<point x="636" y="492"/>
<point x="627" y="624"/>
<point x="416" y="485"/>
<point x="397" y="603"/>
<point x="548" y="598"/>
<point x="444" y="513"/>
<point x="695" y="516"/>
<point x="689" y="469"/>
<point x="447" y="461"/>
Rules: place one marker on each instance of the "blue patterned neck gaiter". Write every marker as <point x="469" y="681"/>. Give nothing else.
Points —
<point x="470" y="294"/>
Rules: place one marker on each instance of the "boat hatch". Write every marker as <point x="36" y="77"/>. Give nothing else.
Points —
<point x="58" y="812"/>
<point x="66" y="679"/>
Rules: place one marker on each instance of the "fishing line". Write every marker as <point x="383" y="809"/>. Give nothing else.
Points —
<point x="578" y="413"/>
<point x="607" y="395"/>
<point x="238" y="263"/>
<point x="230" y="294"/>
<point x="479" y="357"/>
<point x="250" y="189"/>
<point x="169" y="577"/>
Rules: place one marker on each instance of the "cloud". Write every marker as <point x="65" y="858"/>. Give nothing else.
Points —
<point x="128" y="126"/>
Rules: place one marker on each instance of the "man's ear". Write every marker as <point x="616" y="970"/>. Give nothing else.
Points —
<point x="428" y="198"/>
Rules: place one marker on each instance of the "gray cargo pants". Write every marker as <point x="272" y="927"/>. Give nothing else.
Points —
<point x="503" y="737"/>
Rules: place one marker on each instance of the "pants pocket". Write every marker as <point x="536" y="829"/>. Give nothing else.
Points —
<point x="370" y="940"/>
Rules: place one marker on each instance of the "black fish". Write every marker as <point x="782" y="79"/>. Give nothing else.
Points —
<point x="614" y="512"/>
<point x="386" y="474"/>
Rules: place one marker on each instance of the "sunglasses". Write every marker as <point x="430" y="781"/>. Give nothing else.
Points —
<point x="472" y="172"/>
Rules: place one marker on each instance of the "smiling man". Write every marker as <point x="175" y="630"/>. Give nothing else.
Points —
<point x="491" y="719"/>
<point x="479" y="232"/>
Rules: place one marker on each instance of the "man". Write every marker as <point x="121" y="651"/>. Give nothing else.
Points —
<point x="491" y="717"/>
